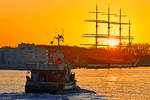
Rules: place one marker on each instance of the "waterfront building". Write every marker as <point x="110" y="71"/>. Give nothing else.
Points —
<point x="24" y="54"/>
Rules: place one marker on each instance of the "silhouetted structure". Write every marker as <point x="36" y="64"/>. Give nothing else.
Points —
<point x="107" y="36"/>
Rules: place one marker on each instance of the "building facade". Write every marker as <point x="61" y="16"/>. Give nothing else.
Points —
<point x="24" y="54"/>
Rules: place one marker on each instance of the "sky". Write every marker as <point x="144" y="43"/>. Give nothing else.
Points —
<point x="38" y="21"/>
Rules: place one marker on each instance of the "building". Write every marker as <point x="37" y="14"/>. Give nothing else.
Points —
<point x="24" y="54"/>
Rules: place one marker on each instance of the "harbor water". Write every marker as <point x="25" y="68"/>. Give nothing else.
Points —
<point x="95" y="84"/>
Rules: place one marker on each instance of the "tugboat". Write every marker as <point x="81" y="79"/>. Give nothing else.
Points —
<point x="55" y="77"/>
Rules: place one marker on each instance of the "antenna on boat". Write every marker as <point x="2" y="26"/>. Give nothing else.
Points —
<point x="59" y="38"/>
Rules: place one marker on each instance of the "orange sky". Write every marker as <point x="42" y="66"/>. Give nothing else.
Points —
<point x="36" y="21"/>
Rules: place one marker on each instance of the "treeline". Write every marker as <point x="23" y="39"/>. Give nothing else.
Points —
<point x="120" y="55"/>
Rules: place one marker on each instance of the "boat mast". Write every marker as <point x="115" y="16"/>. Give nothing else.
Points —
<point x="120" y="28"/>
<point x="58" y="41"/>
<point x="59" y="38"/>
<point x="96" y="21"/>
<point x="129" y="35"/>
<point x="108" y="22"/>
<point x="96" y="42"/>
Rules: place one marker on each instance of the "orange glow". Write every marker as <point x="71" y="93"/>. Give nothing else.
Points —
<point x="37" y="21"/>
<point x="112" y="42"/>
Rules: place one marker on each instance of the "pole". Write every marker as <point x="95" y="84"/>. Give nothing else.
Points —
<point x="108" y="36"/>
<point x="120" y="28"/>
<point x="108" y="22"/>
<point x="58" y="41"/>
<point x="129" y="35"/>
<point x="96" y="42"/>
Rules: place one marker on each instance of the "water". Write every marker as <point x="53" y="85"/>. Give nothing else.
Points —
<point x="95" y="84"/>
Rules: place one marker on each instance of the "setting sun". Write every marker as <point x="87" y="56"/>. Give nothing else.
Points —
<point x="113" y="42"/>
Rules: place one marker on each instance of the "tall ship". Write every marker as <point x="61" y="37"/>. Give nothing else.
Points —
<point x="121" y="40"/>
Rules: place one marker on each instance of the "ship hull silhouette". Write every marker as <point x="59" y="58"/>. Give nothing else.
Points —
<point x="55" y="80"/>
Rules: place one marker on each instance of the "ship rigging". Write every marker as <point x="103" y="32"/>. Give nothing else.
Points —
<point x="98" y="36"/>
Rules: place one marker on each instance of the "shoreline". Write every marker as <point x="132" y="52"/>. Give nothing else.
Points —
<point x="108" y="67"/>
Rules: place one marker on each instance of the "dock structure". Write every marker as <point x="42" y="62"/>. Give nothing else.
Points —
<point x="98" y="36"/>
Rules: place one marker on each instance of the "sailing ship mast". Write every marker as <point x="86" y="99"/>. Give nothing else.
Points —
<point x="96" y="42"/>
<point x="107" y="36"/>
<point x="129" y="35"/>
<point x="96" y="21"/>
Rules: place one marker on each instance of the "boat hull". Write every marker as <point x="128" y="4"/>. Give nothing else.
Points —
<point x="49" y="87"/>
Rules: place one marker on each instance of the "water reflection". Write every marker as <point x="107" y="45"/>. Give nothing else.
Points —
<point x="112" y="78"/>
<point x="98" y="84"/>
<point x="120" y="84"/>
<point x="81" y="94"/>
